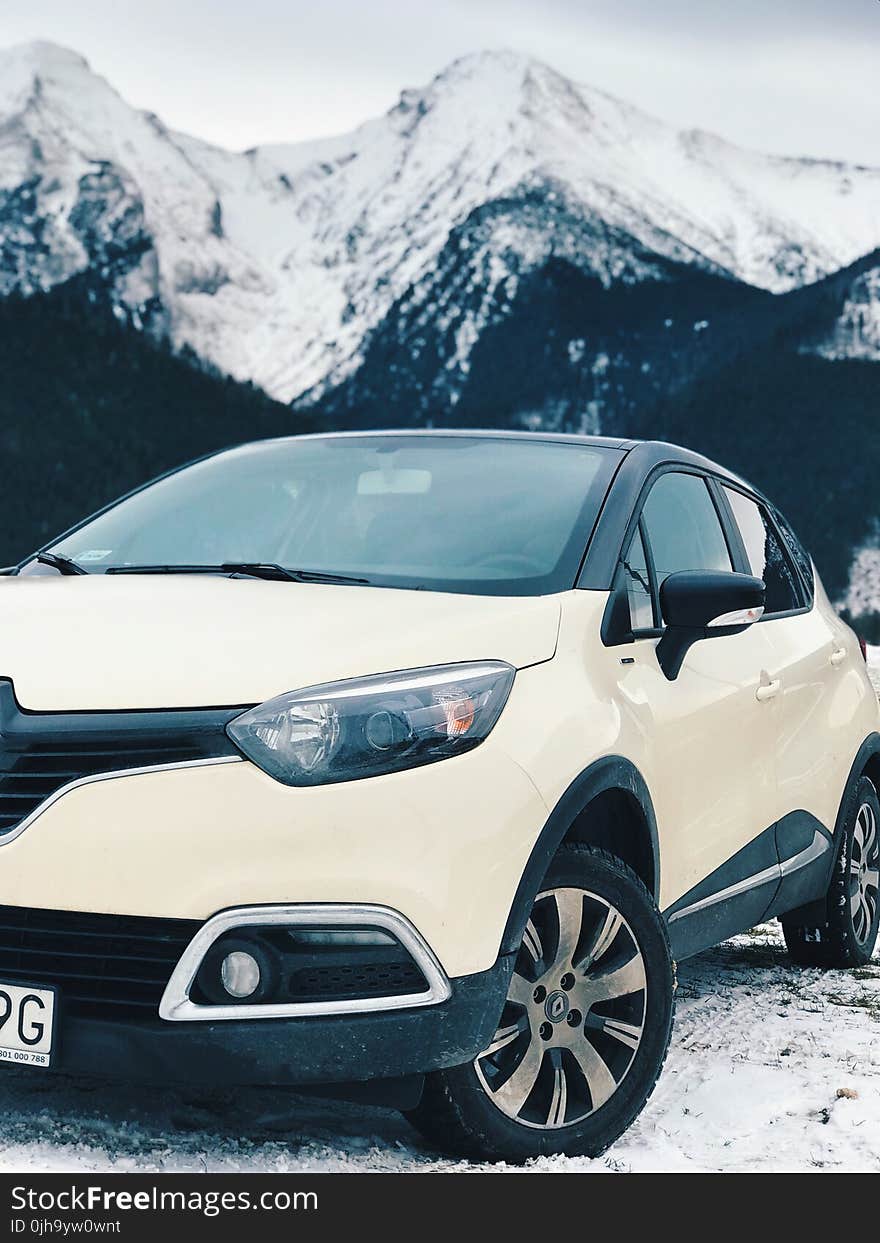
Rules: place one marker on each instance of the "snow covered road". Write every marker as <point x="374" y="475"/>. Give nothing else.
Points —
<point x="771" y="1068"/>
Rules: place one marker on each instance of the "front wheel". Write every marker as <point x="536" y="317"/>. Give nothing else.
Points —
<point x="584" y="1030"/>
<point x="848" y="934"/>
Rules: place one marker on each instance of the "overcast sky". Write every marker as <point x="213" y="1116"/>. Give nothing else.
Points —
<point x="793" y="76"/>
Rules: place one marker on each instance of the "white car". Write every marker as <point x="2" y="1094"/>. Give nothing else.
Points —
<point x="404" y="765"/>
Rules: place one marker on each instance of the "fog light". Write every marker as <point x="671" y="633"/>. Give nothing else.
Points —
<point x="240" y="973"/>
<point x="238" y="969"/>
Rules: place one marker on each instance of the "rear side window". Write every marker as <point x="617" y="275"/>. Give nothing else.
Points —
<point x="683" y="528"/>
<point x="796" y="551"/>
<point x="768" y="559"/>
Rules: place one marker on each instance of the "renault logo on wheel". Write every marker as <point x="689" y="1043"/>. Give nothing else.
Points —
<point x="556" y="1007"/>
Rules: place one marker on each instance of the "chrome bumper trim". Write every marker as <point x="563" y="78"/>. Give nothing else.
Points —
<point x="176" y="1006"/>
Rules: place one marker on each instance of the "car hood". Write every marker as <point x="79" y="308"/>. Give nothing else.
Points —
<point x="110" y="643"/>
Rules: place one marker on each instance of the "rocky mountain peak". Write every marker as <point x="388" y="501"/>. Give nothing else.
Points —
<point x="277" y="265"/>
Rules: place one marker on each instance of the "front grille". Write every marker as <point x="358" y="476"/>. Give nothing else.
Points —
<point x="41" y="752"/>
<point x="29" y="778"/>
<point x="109" y="966"/>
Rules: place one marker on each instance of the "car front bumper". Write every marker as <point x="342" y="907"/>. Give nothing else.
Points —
<point x="352" y="1049"/>
<point x="440" y="848"/>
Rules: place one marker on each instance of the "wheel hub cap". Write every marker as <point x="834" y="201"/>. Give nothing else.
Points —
<point x="556" y="1007"/>
<point x="574" y="1015"/>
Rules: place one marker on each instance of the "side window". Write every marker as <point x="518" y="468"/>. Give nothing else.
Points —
<point x="796" y="551"/>
<point x="638" y="585"/>
<point x="766" y="556"/>
<point x="683" y="527"/>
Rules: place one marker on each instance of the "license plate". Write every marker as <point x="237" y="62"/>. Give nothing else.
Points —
<point x="27" y="1024"/>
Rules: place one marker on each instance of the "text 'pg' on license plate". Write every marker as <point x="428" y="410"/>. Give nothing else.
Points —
<point x="27" y="1024"/>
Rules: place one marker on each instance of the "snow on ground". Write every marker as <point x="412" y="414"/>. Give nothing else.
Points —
<point x="772" y="1067"/>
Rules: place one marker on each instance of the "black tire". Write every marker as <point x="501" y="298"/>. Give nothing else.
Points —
<point x="622" y="939"/>
<point x="848" y="934"/>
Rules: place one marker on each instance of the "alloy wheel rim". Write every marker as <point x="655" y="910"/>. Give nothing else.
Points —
<point x="574" y="1016"/>
<point x="864" y="873"/>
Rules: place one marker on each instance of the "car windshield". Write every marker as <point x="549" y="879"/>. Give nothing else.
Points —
<point x="476" y="514"/>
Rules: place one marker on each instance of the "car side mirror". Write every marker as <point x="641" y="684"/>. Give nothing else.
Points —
<point x="703" y="604"/>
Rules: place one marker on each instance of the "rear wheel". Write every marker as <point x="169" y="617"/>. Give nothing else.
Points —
<point x="584" y="1030"/>
<point x="848" y="934"/>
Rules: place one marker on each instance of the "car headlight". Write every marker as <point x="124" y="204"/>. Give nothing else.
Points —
<point x="342" y="731"/>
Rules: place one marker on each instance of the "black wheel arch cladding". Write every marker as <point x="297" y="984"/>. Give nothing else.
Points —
<point x="612" y="773"/>
<point x="866" y="764"/>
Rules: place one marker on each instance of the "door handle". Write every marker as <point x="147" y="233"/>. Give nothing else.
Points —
<point x="838" y="656"/>
<point x="767" y="690"/>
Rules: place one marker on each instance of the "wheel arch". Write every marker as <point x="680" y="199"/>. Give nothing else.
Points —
<point x="606" y="805"/>
<point x="866" y="764"/>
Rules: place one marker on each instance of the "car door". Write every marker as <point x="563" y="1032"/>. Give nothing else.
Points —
<point x="814" y="657"/>
<point x="709" y="733"/>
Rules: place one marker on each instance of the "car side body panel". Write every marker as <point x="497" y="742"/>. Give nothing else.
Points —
<point x="688" y="762"/>
<point x="827" y="707"/>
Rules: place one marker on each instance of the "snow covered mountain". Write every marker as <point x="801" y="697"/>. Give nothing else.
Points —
<point x="288" y="265"/>
<point x="856" y="329"/>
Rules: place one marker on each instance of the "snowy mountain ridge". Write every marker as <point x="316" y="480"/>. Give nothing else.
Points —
<point x="277" y="263"/>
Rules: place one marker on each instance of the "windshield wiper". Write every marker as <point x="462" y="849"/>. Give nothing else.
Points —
<point x="269" y="570"/>
<point x="326" y="576"/>
<point x="260" y="569"/>
<point x="163" y="569"/>
<point x="64" y="565"/>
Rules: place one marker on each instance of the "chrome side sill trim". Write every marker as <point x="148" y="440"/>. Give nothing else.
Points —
<point x="732" y="891"/>
<point x="775" y="872"/>
<point x="816" y="848"/>
<point x="111" y="776"/>
<point x="176" y="1006"/>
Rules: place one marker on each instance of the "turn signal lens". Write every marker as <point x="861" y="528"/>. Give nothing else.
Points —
<point x="460" y="714"/>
